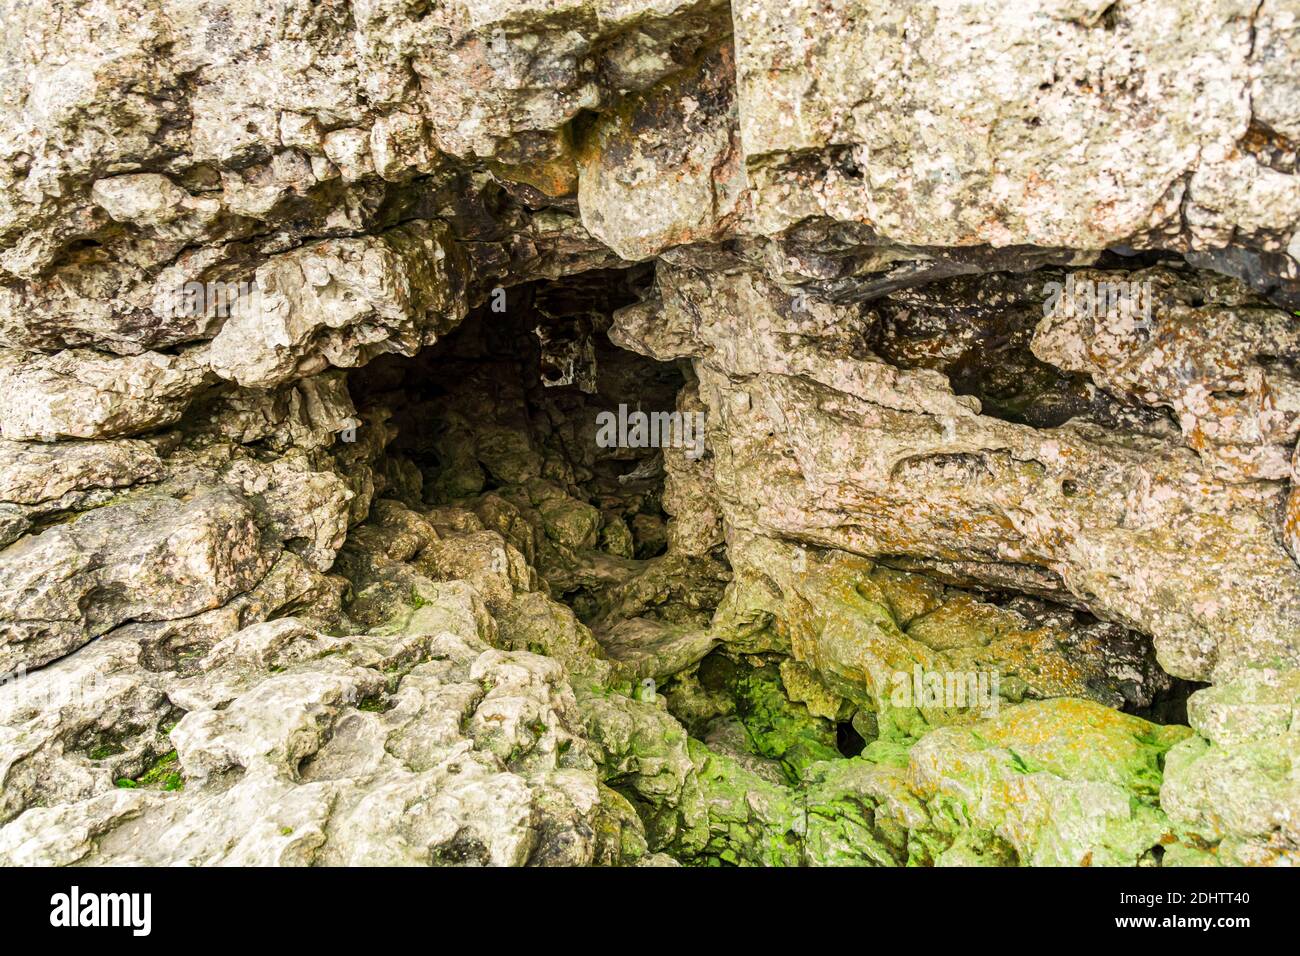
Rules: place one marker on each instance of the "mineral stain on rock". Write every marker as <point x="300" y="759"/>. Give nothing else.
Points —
<point x="975" y="561"/>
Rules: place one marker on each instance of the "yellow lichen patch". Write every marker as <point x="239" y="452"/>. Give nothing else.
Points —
<point x="802" y="684"/>
<point x="1084" y="740"/>
<point x="913" y="651"/>
<point x="555" y="178"/>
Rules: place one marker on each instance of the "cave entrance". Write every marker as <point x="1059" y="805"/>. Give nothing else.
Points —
<point x="501" y="428"/>
<point x="528" y="408"/>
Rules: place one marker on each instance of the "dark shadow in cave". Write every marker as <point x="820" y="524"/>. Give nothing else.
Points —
<point x="509" y="403"/>
<point x="1169" y="705"/>
<point x="847" y="740"/>
<point x="977" y="331"/>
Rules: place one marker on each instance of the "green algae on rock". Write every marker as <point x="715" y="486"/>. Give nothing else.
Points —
<point x="313" y="550"/>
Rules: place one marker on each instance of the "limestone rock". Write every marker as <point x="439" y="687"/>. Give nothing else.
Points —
<point x="804" y="432"/>
<point x="1223" y="369"/>
<point x="665" y="168"/>
<point x="315" y="547"/>
<point x="149" y="558"/>
<point x="649" y="648"/>
<point x="340" y="303"/>
<point x="1083" y="782"/>
<point x="870" y="634"/>
<point x="914" y="120"/>
<point x="82" y="394"/>
<point x="422" y="748"/>
<point x="1234" y="785"/>
<point x="50" y="474"/>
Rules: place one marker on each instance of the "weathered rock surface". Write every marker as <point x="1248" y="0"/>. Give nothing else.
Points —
<point x="1222" y="362"/>
<point x="1235" y="784"/>
<point x="423" y="746"/>
<point x="339" y="303"/>
<point x="665" y="168"/>
<point x="147" y="559"/>
<point x="80" y="394"/>
<point x="957" y="124"/>
<point x="961" y="342"/>
<point x="817" y="442"/>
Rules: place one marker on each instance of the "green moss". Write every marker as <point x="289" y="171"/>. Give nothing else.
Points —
<point x="1064" y="782"/>
<point x="1018" y="762"/>
<point x="748" y="818"/>
<point x="892" y="753"/>
<point x="159" y="768"/>
<point x="779" y="728"/>
<point x="164" y="774"/>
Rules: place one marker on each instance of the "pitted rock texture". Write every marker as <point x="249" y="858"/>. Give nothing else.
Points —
<point x="315" y="547"/>
<point x="817" y="440"/>
<point x="299" y="748"/>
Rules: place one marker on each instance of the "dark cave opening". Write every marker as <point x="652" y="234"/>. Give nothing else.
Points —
<point x="848" y="741"/>
<point x="527" y="412"/>
<point x="978" y="331"/>
<point x="501" y="417"/>
<point x="514" y="395"/>
<point x="1169" y="704"/>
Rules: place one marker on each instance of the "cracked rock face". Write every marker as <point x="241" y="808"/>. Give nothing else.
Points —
<point x="649" y="433"/>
